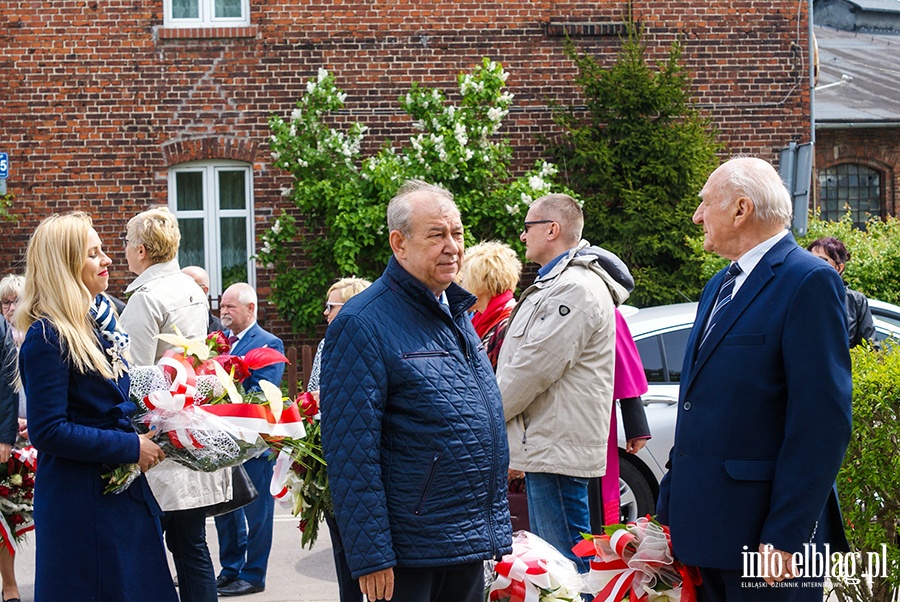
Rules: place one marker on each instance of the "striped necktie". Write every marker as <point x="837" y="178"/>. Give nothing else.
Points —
<point x="724" y="298"/>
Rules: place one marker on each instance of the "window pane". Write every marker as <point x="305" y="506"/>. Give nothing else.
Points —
<point x="232" y="190"/>
<point x="228" y="9"/>
<point x="850" y="186"/>
<point x="189" y="191"/>
<point x="234" y="250"/>
<point x="675" y="343"/>
<point x="185" y="9"/>
<point x="191" y="251"/>
<point x="652" y="359"/>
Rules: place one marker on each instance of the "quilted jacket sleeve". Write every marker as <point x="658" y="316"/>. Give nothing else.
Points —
<point x="354" y="389"/>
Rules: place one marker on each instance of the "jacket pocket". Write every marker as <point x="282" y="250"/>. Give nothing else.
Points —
<point x="428" y="481"/>
<point x="744" y="340"/>
<point x="750" y="470"/>
<point x="425" y="354"/>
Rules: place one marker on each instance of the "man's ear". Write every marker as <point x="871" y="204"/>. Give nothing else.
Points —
<point x="398" y="244"/>
<point x="743" y="208"/>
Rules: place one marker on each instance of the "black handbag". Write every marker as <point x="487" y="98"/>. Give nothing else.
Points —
<point x="242" y="493"/>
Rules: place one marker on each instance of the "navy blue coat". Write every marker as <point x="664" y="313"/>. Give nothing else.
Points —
<point x="89" y="546"/>
<point x="254" y="338"/>
<point x="763" y="416"/>
<point x="413" y="430"/>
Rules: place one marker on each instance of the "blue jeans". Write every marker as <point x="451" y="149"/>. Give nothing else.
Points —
<point x="558" y="512"/>
<point x="186" y="539"/>
<point x="245" y="535"/>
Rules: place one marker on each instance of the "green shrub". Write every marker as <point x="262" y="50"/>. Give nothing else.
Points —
<point x="869" y="481"/>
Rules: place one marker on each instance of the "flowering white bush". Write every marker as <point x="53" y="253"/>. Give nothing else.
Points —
<point x="343" y="197"/>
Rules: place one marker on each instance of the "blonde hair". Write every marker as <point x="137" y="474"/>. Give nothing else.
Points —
<point x="348" y="287"/>
<point x="11" y="285"/>
<point x="55" y="291"/>
<point x="157" y="230"/>
<point x="490" y="267"/>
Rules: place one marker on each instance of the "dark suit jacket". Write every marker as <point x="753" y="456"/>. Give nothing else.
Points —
<point x="763" y="416"/>
<point x="254" y="338"/>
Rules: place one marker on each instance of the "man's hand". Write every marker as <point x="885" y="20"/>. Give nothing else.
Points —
<point x="378" y="586"/>
<point x="633" y="446"/>
<point x="512" y="475"/>
<point x="5" y="452"/>
<point x="778" y="565"/>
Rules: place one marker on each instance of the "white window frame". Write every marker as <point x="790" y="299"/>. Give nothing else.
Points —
<point x="211" y="214"/>
<point x="207" y="16"/>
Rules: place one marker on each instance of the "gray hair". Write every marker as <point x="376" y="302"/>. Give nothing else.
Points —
<point x="245" y="295"/>
<point x="757" y="180"/>
<point x="564" y="210"/>
<point x="400" y="209"/>
<point x="12" y="285"/>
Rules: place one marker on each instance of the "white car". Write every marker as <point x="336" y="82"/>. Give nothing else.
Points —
<point x="661" y="335"/>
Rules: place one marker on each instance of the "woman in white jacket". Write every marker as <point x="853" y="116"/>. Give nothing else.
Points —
<point x="160" y="298"/>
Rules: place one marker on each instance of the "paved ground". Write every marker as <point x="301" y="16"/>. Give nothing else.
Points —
<point x="294" y="575"/>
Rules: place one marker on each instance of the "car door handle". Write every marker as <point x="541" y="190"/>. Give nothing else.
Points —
<point x="664" y="399"/>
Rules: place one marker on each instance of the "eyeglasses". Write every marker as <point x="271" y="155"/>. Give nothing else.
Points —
<point x="6" y="303"/>
<point x="329" y="306"/>
<point x="538" y="221"/>
<point x="124" y="238"/>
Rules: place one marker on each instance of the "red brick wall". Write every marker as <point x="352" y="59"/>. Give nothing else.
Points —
<point x="99" y="100"/>
<point x="876" y="148"/>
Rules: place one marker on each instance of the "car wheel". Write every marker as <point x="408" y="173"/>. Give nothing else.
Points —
<point x="635" y="492"/>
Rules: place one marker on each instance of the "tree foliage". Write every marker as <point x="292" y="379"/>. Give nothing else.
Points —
<point x="342" y="196"/>
<point x="638" y="154"/>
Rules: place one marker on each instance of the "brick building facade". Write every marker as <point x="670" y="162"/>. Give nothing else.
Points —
<point x="103" y="99"/>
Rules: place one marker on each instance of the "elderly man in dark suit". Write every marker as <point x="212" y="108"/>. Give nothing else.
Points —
<point x="245" y="535"/>
<point x="764" y="413"/>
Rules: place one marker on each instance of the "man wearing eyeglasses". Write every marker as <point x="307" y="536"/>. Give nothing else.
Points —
<point x="555" y="371"/>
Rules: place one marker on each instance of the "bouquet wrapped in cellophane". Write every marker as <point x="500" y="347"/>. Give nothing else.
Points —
<point x="202" y="418"/>
<point x="535" y="571"/>
<point x="634" y="562"/>
<point x="17" y="495"/>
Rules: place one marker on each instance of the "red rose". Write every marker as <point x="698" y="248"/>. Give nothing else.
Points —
<point x="218" y="342"/>
<point x="234" y="362"/>
<point x="4" y="491"/>
<point x="303" y="524"/>
<point x="298" y="468"/>
<point x="17" y="519"/>
<point x="308" y="405"/>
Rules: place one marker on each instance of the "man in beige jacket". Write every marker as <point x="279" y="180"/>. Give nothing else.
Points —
<point x="555" y="372"/>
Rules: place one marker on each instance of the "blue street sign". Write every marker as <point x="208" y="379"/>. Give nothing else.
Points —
<point x="4" y="166"/>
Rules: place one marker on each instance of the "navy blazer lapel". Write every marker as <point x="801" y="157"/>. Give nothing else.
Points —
<point x="756" y="281"/>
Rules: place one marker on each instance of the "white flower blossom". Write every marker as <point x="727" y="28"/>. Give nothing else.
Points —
<point x="506" y="98"/>
<point x="495" y="114"/>
<point x="293" y="131"/>
<point x="296" y="114"/>
<point x="302" y="163"/>
<point x="267" y="248"/>
<point x="459" y="132"/>
<point x="548" y="170"/>
<point x="310" y="87"/>
<point x="286" y="191"/>
<point x="512" y="209"/>
<point x="537" y="183"/>
<point x="527" y="199"/>
<point x="276" y="227"/>
<point x="409" y="98"/>
<point x="342" y="96"/>
<point x="276" y="156"/>
<point x="469" y="154"/>
<point x="323" y="73"/>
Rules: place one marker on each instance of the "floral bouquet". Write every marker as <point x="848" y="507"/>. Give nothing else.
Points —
<point x="194" y="401"/>
<point x="635" y="562"/>
<point x="300" y="480"/>
<point x="17" y="496"/>
<point x="534" y="572"/>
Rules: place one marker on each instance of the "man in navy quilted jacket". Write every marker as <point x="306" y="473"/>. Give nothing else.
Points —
<point x="412" y="422"/>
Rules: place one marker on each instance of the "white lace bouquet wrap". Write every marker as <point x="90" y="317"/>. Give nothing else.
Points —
<point x="535" y="571"/>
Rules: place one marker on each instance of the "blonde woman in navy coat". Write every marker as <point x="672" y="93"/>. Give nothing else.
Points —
<point x="90" y="546"/>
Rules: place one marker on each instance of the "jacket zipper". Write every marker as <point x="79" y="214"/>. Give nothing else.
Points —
<point x="409" y="355"/>
<point x="427" y="483"/>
